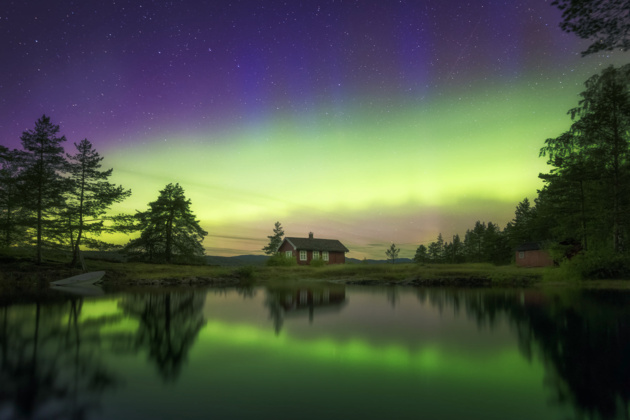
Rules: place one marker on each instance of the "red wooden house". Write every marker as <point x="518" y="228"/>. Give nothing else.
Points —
<point x="305" y="250"/>
<point x="531" y="254"/>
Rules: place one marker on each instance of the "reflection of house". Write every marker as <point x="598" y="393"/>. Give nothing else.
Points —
<point x="309" y="297"/>
<point x="531" y="254"/>
<point x="304" y="300"/>
<point x="305" y="250"/>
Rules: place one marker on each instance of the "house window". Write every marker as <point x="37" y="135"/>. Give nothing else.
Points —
<point x="521" y="255"/>
<point x="316" y="255"/>
<point x="325" y="255"/>
<point x="288" y="254"/>
<point x="302" y="255"/>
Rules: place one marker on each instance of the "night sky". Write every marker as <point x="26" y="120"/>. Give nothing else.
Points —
<point x="370" y="122"/>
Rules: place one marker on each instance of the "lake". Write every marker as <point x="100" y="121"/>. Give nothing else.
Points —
<point x="313" y="351"/>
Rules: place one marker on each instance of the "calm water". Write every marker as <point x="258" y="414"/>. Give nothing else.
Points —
<point x="318" y="352"/>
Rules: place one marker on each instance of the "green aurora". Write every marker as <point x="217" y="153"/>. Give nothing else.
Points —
<point x="362" y="175"/>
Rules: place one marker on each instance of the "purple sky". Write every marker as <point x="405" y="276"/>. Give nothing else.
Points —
<point x="374" y="106"/>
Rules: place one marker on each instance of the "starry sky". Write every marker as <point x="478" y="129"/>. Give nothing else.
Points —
<point x="366" y="121"/>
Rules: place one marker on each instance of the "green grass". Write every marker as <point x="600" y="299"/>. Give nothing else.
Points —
<point x="392" y="273"/>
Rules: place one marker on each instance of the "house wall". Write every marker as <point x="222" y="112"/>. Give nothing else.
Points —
<point x="333" y="257"/>
<point x="336" y="258"/>
<point x="286" y="247"/>
<point x="533" y="258"/>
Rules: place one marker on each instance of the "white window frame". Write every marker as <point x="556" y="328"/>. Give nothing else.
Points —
<point x="315" y="255"/>
<point x="521" y="255"/>
<point x="288" y="254"/>
<point x="325" y="256"/>
<point x="302" y="255"/>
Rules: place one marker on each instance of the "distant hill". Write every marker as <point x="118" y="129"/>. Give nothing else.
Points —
<point x="370" y="261"/>
<point x="240" y="260"/>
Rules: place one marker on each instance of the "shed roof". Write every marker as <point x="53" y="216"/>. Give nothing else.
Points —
<point x="316" y="244"/>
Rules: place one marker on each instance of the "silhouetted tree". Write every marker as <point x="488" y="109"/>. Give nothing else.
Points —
<point x="392" y="253"/>
<point x="436" y="250"/>
<point x="421" y="254"/>
<point x="274" y="240"/>
<point x="473" y="241"/>
<point x="606" y="22"/>
<point x="495" y="245"/>
<point x="10" y="197"/>
<point x="169" y="228"/>
<point x="90" y="195"/>
<point x="44" y="185"/>
<point x="592" y="158"/>
<point x="457" y="250"/>
<point x="523" y="227"/>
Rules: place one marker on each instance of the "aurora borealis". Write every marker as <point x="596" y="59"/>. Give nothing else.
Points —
<point x="365" y="121"/>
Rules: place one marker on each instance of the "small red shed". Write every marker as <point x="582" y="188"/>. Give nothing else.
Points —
<point x="305" y="250"/>
<point x="531" y="254"/>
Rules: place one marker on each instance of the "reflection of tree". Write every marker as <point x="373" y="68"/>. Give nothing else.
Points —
<point x="169" y="324"/>
<point x="582" y="337"/>
<point x="393" y="297"/>
<point x="286" y="300"/>
<point x="48" y="365"/>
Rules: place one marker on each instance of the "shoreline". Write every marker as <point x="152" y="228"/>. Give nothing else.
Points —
<point x="25" y="278"/>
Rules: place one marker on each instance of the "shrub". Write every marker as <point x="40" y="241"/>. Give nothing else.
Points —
<point x="280" y="260"/>
<point x="245" y="273"/>
<point x="596" y="265"/>
<point x="318" y="263"/>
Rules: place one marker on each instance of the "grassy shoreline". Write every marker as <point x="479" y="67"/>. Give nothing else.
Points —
<point x="21" y="274"/>
<point x="144" y="273"/>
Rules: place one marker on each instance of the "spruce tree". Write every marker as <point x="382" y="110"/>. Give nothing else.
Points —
<point x="275" y="240"/>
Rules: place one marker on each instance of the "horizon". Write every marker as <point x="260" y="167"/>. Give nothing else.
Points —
<point x="368" y="123"/>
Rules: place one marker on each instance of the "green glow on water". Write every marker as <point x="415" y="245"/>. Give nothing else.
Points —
<point x="428" y="359"/>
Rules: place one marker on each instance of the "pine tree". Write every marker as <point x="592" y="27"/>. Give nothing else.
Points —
<point x="275" y="240"/>
<point x="43" y="187"/>
<point x="168" y="229"/>
<point x="89" y="197"/>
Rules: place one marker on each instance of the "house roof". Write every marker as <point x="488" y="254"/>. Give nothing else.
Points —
<point x="316" y="244"/>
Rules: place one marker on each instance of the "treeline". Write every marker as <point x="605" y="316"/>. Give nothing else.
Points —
<point x="483" y="243"/>
<point x="50" y="199"/>
<point x="583" y="208"/>
<point x="586" y="193"/>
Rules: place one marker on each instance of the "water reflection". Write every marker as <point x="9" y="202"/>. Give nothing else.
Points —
<point x="293" y="300"/>
<point x="50" y="365"/>
<point x="582" y="336"/>
<point x="168" y="326"/>
<point x="358" y="349"/>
